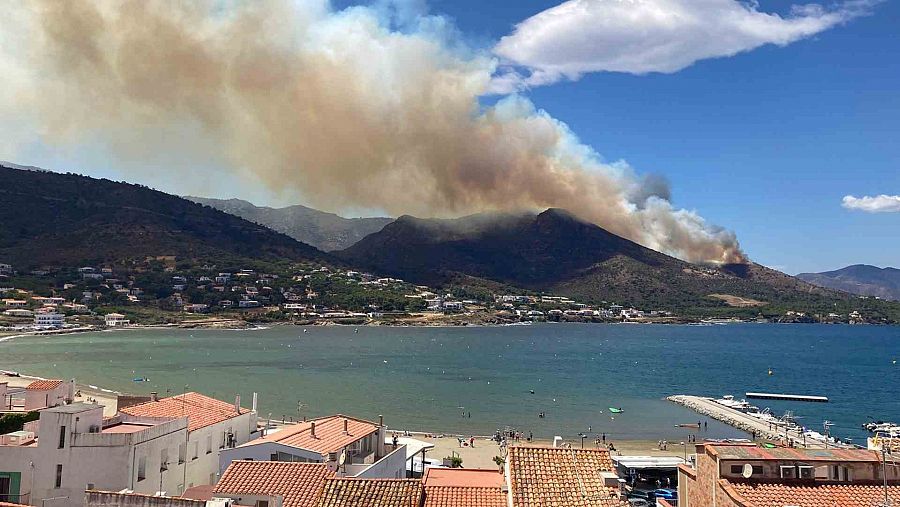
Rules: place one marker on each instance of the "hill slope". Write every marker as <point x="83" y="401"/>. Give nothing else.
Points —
<point x="859" y="279"/>
<point x="322" y="230"/>
<point x="557" y="252"/>
<point x="49" y="218"/>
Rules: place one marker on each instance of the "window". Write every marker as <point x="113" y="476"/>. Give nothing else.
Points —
<point x="262" y="503"/>
<point x="736" y="469"/>
<point x="58" y="477"/>
<point x="164" y="459"/>
<point x="90" y="486"/>
<point x="62" y="437"/>
<point x="182" y="452"/>
<point x="5" y="485"/>
<point x="208" y="444"/>
<point x="274" y="457"/>
<point x="142" y="468"/>
<point x="739" y="469"/>
<point x="194" y="446"/>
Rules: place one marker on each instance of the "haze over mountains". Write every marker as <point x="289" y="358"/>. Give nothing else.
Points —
<point x="325" y="231"/>
<point x="860" y="279"/>
<point x="53" y="219"/>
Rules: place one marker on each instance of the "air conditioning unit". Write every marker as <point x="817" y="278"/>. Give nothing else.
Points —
<point x="788" y="472"/>
<point x="807" y="472"/>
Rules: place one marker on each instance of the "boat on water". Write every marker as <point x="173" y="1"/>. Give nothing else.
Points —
<point x="614" y="410"/>
<point x="729" y="401"/>
<point x="140" y="379"/>
<point x="882" y="427"/>
<point x="688" y="425"/>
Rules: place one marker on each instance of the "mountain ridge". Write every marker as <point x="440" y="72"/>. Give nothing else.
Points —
<point x="862" y="279"/>
<point x="323" y="230"/>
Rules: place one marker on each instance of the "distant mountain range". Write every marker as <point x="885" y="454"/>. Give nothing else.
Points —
<point x="557" y="252"/>
<point x="859" y="279"/>
<point x="325" y="231"/>
<point x="49" y="218"/>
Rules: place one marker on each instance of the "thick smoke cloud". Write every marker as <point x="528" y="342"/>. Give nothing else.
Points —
<point x="342" y="107"/>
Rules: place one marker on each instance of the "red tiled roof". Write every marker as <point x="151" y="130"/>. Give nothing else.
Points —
<point x="44" y="385"/>
<point x="371" y="493"/>
<point x="756" y="494"/>
<point x="753" y="452"/>
<point x="463" y="496"/>
<point x="556" y="477"/>
<point x="462" y="487"/>
<point x="330" y="436"/>
<point x="465" y="477"/>
<point x="299" y="484"/>
<point x="201" y="411"/>
<point x="7" y="504"/>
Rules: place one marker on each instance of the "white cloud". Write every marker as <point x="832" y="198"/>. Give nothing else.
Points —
<point x="878" y="204"/>
<point x="641" y="36"/>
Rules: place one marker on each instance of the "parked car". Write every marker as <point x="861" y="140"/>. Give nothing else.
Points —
<point x="666" y="494"/>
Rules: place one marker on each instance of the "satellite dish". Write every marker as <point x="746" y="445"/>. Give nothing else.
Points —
<point x="748" y="471"/>
<point x="343" y="458"/>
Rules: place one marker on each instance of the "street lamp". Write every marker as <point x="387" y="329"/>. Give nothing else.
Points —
<point x="583" y="436"/>
<point x="684" y="451"/>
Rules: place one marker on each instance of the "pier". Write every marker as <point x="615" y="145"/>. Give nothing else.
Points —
<point x="787" y="397"/>
<point x="776" y="432"/>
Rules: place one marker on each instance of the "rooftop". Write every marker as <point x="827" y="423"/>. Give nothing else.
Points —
<point x="126" y="428"/>
<point x="460" y="487"/>
<point x="752" y="452"/>
<point x="475" y="478"/>
<point x="44" y="385"/>
<point x="330" y="436"/>
<point x="757" y="494"/>
<point x="298" y="484"/>
<point x="371" y="493"/>
<point x="556" y="477"/>
<point x="201" y="411"/>
<point x="74" y="408"/>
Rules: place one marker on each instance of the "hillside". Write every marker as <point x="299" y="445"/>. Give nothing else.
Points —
<point x="325" y="231"/>
<point x="53" y="219"/>
<point x="859" y="279"/>
<point x="556" y="252"/>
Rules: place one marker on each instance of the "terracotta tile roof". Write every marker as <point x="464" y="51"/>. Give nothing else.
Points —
<point x="201" y="411"/>
<point x="7" y="504"/>
<point x="467" y="477"/>
<point x="555" y="477"/>
<point x="756" y="494"/>
<point x="463" y="487"/>
<point x="299" y="484"/>
<point x="330" y="436"/>
<point x="463" y="496"/>
<point x="371" y="493"/>
<point x="752" y="452"/>
<point x="44" y="385"/>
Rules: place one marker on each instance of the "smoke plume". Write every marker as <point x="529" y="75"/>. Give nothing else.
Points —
<point x="350" y="109"/>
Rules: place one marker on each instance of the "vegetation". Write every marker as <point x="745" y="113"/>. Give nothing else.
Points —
<point x="15" y="422"/>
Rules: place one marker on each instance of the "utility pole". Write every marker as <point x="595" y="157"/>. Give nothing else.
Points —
<point x="827" y="425"/>
<point x="885" y="449"/>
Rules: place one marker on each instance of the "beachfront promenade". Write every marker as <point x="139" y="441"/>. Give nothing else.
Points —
<point x="762" y="429"/>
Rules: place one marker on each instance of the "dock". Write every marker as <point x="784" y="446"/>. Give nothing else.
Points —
<point x="788" y="397"/>
<point x="737" y="419"/>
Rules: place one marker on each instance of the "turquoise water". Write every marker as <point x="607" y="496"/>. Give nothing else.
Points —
<point x="433" y="378"/>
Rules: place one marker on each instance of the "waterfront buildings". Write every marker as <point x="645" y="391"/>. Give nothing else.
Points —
<point x="49" y="320"/>
<point x="213" y="426"/>
<point x="72" y="448"/>
<point x="354" y="447"/>
<point x="115" y="320"/>
<point x="745" y="475"/>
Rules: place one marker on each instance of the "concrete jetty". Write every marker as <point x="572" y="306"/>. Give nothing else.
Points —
<point x="737" y="419"/>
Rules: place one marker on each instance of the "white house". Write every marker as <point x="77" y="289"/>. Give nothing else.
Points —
<point x="115" y="319"/>
<point x="325" y="440"/>
<point x="49" y="319"/>
<point x="213" y="426"/>
<point x="48" y="393"/>
<point x="76" y="449"/>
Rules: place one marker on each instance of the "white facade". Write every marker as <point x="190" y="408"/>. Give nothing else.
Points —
<point x="49" y="320"/>
<point x="115" y="319"/>
<point x="75" y="451"/>
<point x="204" y="446"/>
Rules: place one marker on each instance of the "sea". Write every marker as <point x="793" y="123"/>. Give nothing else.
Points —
<point x="475" y="380"/>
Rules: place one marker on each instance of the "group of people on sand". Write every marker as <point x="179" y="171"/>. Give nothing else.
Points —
<point x="466" y="442"/>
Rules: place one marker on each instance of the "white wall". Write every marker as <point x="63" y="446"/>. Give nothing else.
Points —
<point x="206" y="466"/>
<point x="263" y="451"/>
<point x="392" y="466"/>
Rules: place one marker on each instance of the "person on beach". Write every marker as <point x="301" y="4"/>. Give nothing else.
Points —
<point x="530" y="436"/>
<point x="604" y="438"/>
<point x="472" y="442"/>
<point x="395" y="440"/>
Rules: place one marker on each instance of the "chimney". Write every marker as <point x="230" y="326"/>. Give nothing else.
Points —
<point x="312" y="429"/>
<point x="237" y="403"/>
<point x="154" y="396"/>
<point x="346" y="427"/>
<point x="254" y="402"/>
<point x="380" y="420"/>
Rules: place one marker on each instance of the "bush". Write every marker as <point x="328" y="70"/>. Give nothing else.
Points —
<point x="15" y="422"/>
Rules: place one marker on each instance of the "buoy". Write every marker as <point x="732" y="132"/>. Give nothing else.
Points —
<point x="771" y="372"/>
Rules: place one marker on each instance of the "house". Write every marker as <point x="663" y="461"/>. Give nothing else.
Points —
<point x="95" y="498"/>
<point x="15" y="303"/>
<point x="561" y="476"/>
<point x="48" y="393"/>
<point x="75" y="448"/>
<point x="273" y="484"/>
<point x="745" y="475"/>
<point x="248" y="303"/>
<point x="342" y="492"/>
<point x="451" y="487"/>
<point x="197" y="308"/>
<point x="326" y="440"/>
<point x="115" y="320"/>
<point x="49" y="320"/>
<point x="213" y="425"/>
<point x="18" y="312"/>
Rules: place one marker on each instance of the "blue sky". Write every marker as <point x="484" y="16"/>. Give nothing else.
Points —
<point x="765" y="143"/>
